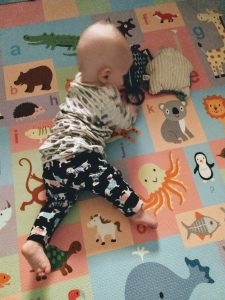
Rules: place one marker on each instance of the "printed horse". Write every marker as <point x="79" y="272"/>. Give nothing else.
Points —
<point x="104" y="227"/>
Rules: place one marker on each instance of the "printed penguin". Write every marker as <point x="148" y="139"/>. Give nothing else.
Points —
<point x="203" y="168"/>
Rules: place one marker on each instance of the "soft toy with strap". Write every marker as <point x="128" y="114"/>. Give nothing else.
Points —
<point x="136" y="81"/>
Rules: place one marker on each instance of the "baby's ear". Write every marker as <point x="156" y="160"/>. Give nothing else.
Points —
<point x="104" y="74"/>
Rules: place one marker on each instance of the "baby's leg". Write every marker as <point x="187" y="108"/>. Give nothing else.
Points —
<point x="113" y="187"/>
<point x="37" y="259"/>
<point x="33" y="249"/>
<point x="50" y="216"/>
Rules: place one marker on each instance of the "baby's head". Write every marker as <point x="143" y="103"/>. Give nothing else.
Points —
<point x="103" y="54"/>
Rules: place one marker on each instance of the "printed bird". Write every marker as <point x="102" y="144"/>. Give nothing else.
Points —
<point x="222" y="153"/>
<point x="203" y="168"/>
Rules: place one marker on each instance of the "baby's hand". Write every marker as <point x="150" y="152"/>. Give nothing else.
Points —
<point x="133" y="108"/>
<point x="119" y="131"/>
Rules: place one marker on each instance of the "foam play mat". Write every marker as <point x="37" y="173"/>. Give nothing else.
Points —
<point x="174" y="158"/>
<point x="12" y="1"/>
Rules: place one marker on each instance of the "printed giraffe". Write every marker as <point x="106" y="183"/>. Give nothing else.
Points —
<point x="215" y="57"/>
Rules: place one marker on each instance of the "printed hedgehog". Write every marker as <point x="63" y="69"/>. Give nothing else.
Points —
<point x="27" y="110"/>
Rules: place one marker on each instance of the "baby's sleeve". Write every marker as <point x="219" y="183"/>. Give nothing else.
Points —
<point x="128" y="117"/>
<point x="120" y="115"/>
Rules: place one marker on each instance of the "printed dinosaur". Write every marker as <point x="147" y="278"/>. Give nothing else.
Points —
<point x="52" y="40"/>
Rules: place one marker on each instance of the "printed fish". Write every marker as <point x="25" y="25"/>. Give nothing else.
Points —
<point x="38" y="133"/>
<point x="4" y="279"/>
<point x="158" y="282"/>
<point x="202" y="226"/>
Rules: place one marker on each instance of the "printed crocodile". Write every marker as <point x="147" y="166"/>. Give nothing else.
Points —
<point x="53" y="40"/>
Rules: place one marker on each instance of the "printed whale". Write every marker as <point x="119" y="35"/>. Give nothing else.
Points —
<point x="155" y="281"/>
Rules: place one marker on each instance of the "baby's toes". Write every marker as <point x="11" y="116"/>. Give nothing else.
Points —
<point x="40" y="274"/>
<point x="47" y="268"/>
<point x="40" y="277"/>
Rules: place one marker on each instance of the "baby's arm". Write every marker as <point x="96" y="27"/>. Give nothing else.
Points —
<point x="116" y="113"/>
<point x="128" y="116"/>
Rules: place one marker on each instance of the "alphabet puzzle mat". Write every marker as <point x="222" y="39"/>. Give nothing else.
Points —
<point x="180" y="178"/>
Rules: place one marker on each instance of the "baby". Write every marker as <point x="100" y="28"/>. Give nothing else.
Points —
<point x="73" y="154"/>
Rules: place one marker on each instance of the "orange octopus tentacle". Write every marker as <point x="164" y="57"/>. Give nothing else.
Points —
<point x="168" y="200"/>
<point x="176" y="192"/>
<point x="174" y="169"/>
<point x="171" y="164"/>
<point x="160" y="204"/>
<point x="149" y="199"/>
<point x="142" y="198"/>
<point x="152" y="203"/>
<point x="178" y="182"/>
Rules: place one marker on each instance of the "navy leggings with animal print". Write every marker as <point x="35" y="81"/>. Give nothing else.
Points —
<point x="65" y="178"/>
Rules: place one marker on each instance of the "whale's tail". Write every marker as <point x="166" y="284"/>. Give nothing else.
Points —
<point x="198" y="273"/>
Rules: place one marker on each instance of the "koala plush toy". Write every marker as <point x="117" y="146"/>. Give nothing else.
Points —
<point x="174" y="129"/>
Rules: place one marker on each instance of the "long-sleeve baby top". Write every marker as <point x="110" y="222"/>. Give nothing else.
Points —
<point x="86" y="121"/>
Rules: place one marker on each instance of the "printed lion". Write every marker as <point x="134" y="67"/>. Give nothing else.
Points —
<point x="215" y="106"/>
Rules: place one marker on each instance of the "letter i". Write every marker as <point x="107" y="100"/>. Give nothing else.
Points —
<point x="53" y="99"/>
<point x="16" y="136"/>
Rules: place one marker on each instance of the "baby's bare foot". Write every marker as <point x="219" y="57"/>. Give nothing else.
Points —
<point x="144" y="218"/>
<point x="37" y="259"/>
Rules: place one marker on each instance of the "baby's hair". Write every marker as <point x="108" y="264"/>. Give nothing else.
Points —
<point x="101" y="44"/>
